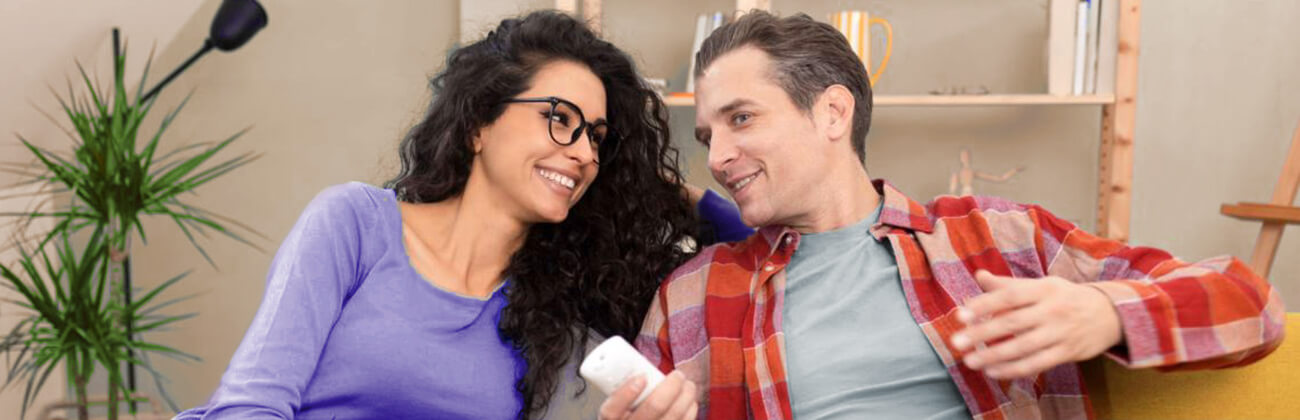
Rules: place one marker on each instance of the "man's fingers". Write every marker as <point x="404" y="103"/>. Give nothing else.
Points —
<point x="1022" y="346"/>
<point x="694" y="412"/>
<point x="619" y="404"/>
<point x="990" y="282"/>
<point x="1000" y="294"/>
<point x="1035" y="363"/>
<point x="661" y="399"/>
<point x="1005" y="324"/>
<point x="685" y="399"/>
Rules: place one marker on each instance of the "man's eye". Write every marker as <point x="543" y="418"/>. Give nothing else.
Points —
<point x="702" y="136"/>
<point x="740" y="118"/>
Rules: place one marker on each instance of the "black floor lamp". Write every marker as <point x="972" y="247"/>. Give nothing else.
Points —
<point x="234" y="24"/>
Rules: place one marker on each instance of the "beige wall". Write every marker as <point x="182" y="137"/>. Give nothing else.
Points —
<point x="39" y="40"/>
<point x="42" y="38"/>
<point x="330" y="87"/>
<point x="1217" y="106"/>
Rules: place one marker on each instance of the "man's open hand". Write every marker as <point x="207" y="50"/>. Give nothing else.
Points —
<point x="1032" y="325"/>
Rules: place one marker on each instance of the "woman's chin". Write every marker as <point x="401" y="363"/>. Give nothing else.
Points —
<point x="552" y="214"/>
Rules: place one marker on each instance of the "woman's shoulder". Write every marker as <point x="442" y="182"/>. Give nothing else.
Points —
<point x="354" y="201"/>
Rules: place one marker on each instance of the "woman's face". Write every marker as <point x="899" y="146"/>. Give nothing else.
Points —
<point x="530" y="174"/>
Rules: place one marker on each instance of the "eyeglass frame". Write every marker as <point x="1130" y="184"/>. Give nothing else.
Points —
<point x="583" y="126"/>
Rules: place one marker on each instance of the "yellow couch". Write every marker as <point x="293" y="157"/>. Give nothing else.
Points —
<point x="1268" y="389"/>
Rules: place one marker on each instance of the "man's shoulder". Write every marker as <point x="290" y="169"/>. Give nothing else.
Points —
<point x="689" y="281"/>
<point x="976" y="222"/>
<point x="968" y="227"/>
<point x="695" y="271"/>
<point x="948" y="206"/>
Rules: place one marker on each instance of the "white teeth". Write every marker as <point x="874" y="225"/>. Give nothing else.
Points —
<point x="557" y="178"/>
<point x="742" y="183"/>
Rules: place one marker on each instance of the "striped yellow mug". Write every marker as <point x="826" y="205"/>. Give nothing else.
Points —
<point x="856" y="26"/>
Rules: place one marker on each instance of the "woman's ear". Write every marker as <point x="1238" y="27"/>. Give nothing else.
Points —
<point x="476" y="140"/>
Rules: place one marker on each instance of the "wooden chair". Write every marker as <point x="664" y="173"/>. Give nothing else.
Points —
<point x="1251" y="392"/>
<point x="1274" y="215"/>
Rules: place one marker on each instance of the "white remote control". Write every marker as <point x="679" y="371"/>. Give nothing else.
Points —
<point x="615" y="361"/>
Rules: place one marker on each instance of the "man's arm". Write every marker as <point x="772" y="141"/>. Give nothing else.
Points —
<point x="653" y="342"/>
<point x="1176" y="315"/>
<point x="1139" y="305"/>
<point x="674" y="398"/>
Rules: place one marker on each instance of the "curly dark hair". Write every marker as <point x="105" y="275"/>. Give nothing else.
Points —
<point x="599" y="268"/>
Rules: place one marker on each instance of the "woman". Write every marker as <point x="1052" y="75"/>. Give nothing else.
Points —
<point x="538" y="200"/>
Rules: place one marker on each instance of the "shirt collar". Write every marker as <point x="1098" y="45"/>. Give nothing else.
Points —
<point x="900" y="211"/>
<point x="897" y="212"/>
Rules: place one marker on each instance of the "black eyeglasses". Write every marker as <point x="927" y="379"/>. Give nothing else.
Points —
<point x="566" y="124"/>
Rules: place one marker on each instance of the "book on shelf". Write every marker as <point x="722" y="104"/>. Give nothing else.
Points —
<point x="705" y="24"/>
<point x="1090" y="60"/>
<point x="1080" y="47"/>
<point x="1107" y="46"/>
<point x="1082" y="41"/>
<point x="1060" y="46"/>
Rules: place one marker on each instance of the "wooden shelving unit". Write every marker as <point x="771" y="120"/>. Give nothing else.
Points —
<point x="959" y="100"/>
<point x="1119" y="110"/>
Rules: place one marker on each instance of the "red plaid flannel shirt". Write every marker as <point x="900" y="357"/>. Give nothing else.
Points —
<point x="717" y="318"/>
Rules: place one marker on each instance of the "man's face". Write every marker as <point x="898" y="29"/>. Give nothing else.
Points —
<point x="762" y="148"/>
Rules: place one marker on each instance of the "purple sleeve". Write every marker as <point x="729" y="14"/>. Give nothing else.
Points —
<point x="315" y="268"/>
<point x="724" y="216"/>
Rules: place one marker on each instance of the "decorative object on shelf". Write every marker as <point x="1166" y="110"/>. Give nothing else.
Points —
<point x="856" y="26"/>
<point x="78" y="293"/>
<point x="961" y="90"/>
<point x="963" y="180"/>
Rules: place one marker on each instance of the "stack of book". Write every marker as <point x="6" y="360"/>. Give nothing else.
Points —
<point x="1081" y="46"/>
<point x="705" y="24"/>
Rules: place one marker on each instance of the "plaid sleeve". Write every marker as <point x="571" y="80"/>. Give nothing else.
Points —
<point x="1176" y="315"/>
<point x="652" y="341"/>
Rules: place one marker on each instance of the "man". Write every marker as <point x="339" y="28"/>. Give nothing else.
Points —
<point x="853" y="301"/>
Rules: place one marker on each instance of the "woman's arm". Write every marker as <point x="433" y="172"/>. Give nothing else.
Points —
<point x="312" y="273"/>
<point x="721" y="217"/>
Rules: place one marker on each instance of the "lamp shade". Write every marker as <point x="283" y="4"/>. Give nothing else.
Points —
<point x="235" y="23"/>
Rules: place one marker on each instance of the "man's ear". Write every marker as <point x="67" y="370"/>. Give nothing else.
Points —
<point x="837" y="104"/>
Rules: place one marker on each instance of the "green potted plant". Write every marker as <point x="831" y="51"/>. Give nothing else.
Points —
<point x="78" y="290"/>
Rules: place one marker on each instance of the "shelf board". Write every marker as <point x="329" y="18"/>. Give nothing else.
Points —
<point x="959" y="100"/>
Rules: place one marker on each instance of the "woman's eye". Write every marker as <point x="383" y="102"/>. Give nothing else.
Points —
<point x="558" y="117"/>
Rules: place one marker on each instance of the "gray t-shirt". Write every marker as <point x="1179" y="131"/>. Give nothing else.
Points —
<point x="853" y="350"/>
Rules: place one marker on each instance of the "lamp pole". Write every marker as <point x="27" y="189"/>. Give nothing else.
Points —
<point x="234" y="24"/>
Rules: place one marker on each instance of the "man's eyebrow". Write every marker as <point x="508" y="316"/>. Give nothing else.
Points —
<point x="731" y="106"/>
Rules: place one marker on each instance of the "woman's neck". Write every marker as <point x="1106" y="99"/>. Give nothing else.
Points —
<point x="468" y="237"/>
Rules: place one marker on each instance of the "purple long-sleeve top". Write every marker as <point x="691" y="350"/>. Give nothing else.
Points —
<point x="348" y="329"/>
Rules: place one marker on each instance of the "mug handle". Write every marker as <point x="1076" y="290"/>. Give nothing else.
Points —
<point x="889" y="47"/>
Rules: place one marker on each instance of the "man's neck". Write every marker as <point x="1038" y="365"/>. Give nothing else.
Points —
<point x="847" y="197"/>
